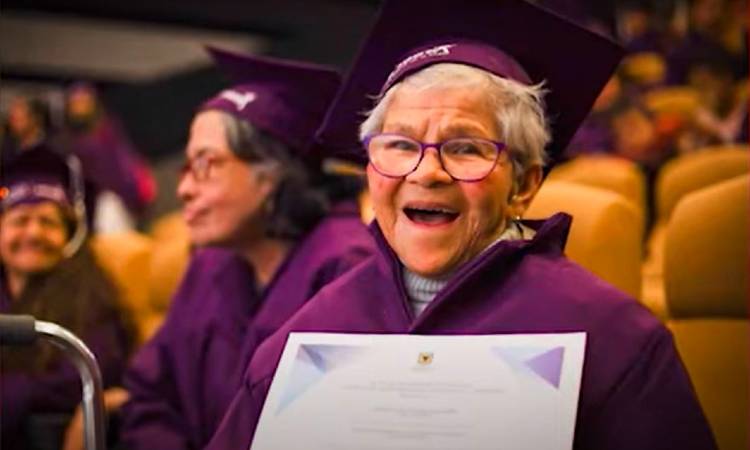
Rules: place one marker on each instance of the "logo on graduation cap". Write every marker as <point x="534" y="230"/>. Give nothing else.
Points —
<point x="240" y="99"/>
<point x="425" y="358"/>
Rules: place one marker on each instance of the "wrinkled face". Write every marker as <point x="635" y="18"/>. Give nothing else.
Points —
<point x="32" y="237"/>
<point x="223" y="205"/>
<point x="432" y="222"/>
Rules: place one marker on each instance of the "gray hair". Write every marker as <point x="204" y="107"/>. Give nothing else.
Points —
<point x="297" y="205"/>
<point x="519" y="109"/>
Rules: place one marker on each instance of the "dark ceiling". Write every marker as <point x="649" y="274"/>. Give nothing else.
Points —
<point x="157" y="112"/>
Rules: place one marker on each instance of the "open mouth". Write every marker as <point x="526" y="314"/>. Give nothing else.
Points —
<point x="430" y="216"/>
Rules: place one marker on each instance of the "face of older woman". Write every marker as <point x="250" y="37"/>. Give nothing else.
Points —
<point x="222" y="194"/>
<point x="32" y="237"/>
<point x="433" y="222"/>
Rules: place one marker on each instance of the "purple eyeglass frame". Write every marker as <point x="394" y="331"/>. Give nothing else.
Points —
<point x="423" y="146"/>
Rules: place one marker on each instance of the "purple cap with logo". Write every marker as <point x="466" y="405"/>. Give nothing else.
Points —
<point x="36" y="175"/>
<point x="510" y="38"/>
<point x="287" y="99"/>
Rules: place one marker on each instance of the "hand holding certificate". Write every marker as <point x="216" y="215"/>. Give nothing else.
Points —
<point x="354" y="391"/>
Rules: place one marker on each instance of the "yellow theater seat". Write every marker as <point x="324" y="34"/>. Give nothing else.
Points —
<point x="706" y="281"/>
<point x="646" y="68"/>
<point x="674" y="100"/>
<point x="126" y="257"/>
<point x="616" y="174"/>
<point x="606" y="234"/>
<point x="676" y="179"/>
<point x="168" y="227"/>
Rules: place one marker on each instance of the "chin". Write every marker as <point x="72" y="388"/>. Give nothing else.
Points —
<point x="425" y="267"/>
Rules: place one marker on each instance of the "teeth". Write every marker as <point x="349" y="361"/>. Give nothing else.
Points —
<point x="433" y="210"/>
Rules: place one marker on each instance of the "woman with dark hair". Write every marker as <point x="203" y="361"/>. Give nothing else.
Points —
<point x="47" y="270"/>
<point x="268" y="239"/>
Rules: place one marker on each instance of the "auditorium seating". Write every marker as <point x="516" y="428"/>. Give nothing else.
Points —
<point x="608" y="172"/>
<point x="676" y="179"/>
<point x="606" y="233"/>
<point x="706" y="283"/>
<point x="126" y="258"/>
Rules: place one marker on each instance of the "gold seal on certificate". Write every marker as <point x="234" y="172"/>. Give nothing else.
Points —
<point x="425" y="358"/>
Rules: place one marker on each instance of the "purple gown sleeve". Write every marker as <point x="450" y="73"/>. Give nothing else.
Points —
<point x="654" y="406"/>
<point x="153" y="413"/>
<point x="238" y="426"/>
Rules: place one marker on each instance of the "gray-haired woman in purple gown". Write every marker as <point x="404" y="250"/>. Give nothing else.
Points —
<point x="456" y="144"/>
<point x="267" y="241"/>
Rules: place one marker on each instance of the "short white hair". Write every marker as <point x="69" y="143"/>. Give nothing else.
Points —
<point x="519" y="109"/>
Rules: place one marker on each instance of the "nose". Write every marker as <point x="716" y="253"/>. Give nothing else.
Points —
<point x="430" y="170"/>
<point x="33" y="228"/>
<point x="186" y="187"/>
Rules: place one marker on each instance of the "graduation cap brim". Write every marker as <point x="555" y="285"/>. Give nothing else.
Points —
<point x="574" y="62"/>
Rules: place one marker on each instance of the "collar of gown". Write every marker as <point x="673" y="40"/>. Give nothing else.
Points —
<point x="550" y="238"/>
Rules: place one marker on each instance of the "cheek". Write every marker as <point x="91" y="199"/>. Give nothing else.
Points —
<point x="383" y="195"/>
<point x="488" y="206"/>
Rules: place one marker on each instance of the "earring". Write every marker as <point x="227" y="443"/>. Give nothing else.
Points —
<point x="517" y="218"/>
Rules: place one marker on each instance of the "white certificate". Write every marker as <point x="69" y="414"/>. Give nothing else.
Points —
<point x="366" y="391"/>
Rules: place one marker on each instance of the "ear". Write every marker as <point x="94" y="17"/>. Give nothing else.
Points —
<point x="267" y="181"/>
<point x="525" y="191"/>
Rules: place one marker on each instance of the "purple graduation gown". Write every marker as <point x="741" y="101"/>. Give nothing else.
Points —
<point x="111" y="162"/>
<point x="182" y="381"/>
<point x="59" y="389"/>
<point x="635" y="392"/>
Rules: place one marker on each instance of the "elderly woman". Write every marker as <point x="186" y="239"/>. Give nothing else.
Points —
<point x="47" y="270"/>
<point x="268" y="241"/>
<point x="456" y="146"/>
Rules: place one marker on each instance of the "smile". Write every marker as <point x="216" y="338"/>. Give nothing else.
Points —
<point x="430" y="215"/>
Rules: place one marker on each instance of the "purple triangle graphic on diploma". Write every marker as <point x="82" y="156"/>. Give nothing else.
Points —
<point x="548" y="365"/>
<point x="311" y="364"/>
<point x="545" y="363"/>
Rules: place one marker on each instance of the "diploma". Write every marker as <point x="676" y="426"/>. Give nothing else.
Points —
<point x="359" y="391"/>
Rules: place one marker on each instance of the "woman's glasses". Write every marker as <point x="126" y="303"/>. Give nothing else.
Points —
<point x="464" y="159"/>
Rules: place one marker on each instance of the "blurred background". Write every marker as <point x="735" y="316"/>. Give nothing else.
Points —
<point x="147" y="64"/>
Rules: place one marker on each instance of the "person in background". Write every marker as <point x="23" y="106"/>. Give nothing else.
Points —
<point x="47" y="270"/>
<point x="456" y="144"/>
<point x="27" y="125"/>
<point x="125" y="186"/>
<point x="267" y="240"/>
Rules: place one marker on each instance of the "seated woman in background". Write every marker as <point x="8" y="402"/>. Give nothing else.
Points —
<point x="47" y="270"/>
<point x="456" y="145"/>
<point x="267" y="241"/>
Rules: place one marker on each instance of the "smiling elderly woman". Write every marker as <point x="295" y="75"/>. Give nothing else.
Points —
<point x="456" y="146"/>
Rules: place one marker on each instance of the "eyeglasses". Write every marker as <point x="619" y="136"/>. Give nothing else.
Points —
<point x="200" y="167"/>
<point x="464" y="159"/>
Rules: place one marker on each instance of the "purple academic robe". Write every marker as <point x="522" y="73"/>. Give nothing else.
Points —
<point x="58" y="390"/>
<point x="635" y="392"/>
<point x="182" y="381"/>
<point x="111" y="162"/>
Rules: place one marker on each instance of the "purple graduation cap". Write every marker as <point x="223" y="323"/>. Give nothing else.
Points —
<point x="287" y="99"/>
<point x="42" y="174"/>
<point x="510" y="38"/>
<point x="36" y="175"/>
